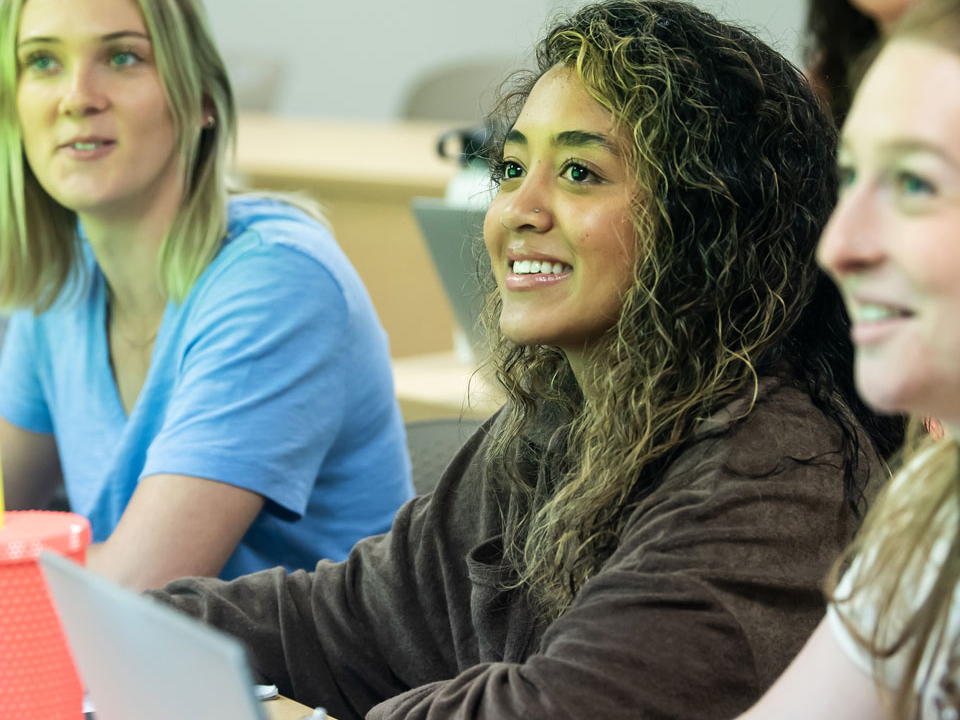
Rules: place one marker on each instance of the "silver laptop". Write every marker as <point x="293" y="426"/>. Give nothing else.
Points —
<point x="454" y="239"/>
<point x="140" y="659"/>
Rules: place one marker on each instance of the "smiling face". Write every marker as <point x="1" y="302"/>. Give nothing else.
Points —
<point x="893" y="242"/>
<point x="96" y="127"/>
<point x="560" y="232"/>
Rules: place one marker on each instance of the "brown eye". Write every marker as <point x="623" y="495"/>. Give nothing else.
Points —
<point x="512" y="170"/>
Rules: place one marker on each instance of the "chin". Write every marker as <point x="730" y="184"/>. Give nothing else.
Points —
<point x="887" y="398"/>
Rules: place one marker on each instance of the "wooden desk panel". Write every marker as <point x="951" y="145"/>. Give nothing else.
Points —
<point x="365" y="174"/>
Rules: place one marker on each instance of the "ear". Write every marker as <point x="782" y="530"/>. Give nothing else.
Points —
<point x="209" y="114"/>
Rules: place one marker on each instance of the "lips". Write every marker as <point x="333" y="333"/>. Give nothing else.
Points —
<point x="872" y="310"/>
<point x="875" y="320"/>
<point x="86" y="143"/>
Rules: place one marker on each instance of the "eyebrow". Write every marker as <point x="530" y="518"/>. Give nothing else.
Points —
<point x="907" y="147"/>
<point x="570" y="138"/>
<point x="109" y="37"/>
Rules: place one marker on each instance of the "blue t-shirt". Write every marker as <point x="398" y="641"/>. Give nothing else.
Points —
<point x="273" y="375"/>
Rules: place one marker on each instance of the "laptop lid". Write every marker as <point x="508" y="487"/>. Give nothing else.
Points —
<point x="140" y="659"/>
<point x="454" y="238"/>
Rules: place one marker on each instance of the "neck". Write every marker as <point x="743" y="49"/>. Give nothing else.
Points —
<point x="126" y="242"/>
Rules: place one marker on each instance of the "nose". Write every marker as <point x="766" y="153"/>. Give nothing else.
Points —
<point x="83" y="94"/>
<point x="853" y="238"/>
<point x="528" y="208"/>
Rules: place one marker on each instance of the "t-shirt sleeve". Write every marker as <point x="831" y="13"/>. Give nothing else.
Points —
<point x="860" y="614"/>
<point x="261" y="388"/>
<point x="22" y="400"/>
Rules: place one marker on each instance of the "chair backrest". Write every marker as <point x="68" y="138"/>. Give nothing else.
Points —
<point x="432" y="444"/>
<point x="461" y="92"/>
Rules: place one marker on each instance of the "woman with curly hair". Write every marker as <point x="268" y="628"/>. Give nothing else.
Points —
<point x="839" y="32"/>
<point x="642" y="530"/>
<point x="890" y="645"/>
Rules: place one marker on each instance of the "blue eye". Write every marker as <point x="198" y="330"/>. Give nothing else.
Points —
<point x="124" y="58"/>
<point x="40" y="62"/>
<point x="911" y="184"/>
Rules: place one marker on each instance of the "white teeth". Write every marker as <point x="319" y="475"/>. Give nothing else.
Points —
<point x="876" y="313"/>
<point x="87" y="146"/>
<point x="531" y="267"/>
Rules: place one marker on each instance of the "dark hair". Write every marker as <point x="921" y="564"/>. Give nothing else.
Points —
<point x="734" y="157"/>
<point x="837" y="36"/>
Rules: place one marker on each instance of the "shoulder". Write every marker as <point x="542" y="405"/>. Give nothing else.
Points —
<point x="273" y="250"/>
<point x="766" y="424"/>
<point x="273" y="221"/>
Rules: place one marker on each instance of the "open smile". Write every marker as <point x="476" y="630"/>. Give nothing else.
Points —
<point x="536" y="274"/>
<point x="874" y="322"/>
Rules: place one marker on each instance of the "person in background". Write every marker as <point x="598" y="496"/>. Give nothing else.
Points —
<point x="839" y="32"/>
<point x="890" y="646"/>
<point x="204" y="369"/>
<point x="643" y="529"/>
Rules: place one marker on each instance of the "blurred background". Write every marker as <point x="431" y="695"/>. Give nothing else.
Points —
<point x="384" y="60"/>
<point x="345" y="101"/>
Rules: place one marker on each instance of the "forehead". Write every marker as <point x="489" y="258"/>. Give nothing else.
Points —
<point x="559" y="102"/>
<point x="69" y="18"/>
<point x="912" y="92"/>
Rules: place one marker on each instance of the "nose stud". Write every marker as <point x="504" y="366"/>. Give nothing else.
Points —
<point x="536" y="210"/>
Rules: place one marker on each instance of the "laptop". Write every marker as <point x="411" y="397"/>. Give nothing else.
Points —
<point x="454" y="238"/>
<point x="140" y="659"/>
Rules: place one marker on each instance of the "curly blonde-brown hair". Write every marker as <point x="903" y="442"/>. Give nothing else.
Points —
<point x="734" y="157"/>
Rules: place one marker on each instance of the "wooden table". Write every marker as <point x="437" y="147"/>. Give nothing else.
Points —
<point x="282" y="708"/>
<point x="439" y="385"/>
<point x="365" y="174"/>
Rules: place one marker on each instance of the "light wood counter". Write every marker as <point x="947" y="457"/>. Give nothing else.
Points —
<point x="281" y="708"/>
<point x="438" y="385"/>
<point x="365" y="174"/>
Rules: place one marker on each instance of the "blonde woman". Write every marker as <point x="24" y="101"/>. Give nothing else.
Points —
<point x="890" y="647"/>
<point x="206" y="372"/>
<point x="642" y="530"/>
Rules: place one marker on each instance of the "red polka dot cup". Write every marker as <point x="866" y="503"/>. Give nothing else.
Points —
<point x="38" y="680"/>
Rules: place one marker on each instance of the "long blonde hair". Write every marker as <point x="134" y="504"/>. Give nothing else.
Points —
<point x="39" y="243"/>
<point x="918" y="511"/>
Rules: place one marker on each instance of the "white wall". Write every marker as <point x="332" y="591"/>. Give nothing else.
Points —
<point x="356" y="59"/>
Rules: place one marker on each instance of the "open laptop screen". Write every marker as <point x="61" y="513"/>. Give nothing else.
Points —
<point x="139" y="659"/>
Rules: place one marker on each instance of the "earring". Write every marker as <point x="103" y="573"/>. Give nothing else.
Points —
<point x="210" y="122"/>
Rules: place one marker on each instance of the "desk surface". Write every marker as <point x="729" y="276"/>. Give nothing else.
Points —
<point x="439" y="385"/>
<point x="282" y="708"/>
<point x="395" y="154"/>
